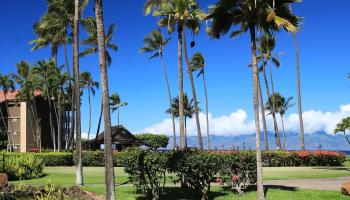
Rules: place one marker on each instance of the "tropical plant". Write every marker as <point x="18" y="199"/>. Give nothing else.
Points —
<point x="252" y="16"/>
<point x="198" y="64"/>
<point x="188" y="108"/>
<point x="109" y="170"/>
<point x="86" y="82"/>
<point x="343" y="126"/>
<point x="115" y="104"/>
<point x="281" y="107"/>
<point x="79" y="166"/>
<point x="267" y="43"/>
<point x="92" y="43"/>
<point x="155" y="42"/>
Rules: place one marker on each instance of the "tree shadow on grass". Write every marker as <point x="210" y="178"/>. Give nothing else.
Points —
<point x="177" y="193"/>
<point x="279" y="187"/>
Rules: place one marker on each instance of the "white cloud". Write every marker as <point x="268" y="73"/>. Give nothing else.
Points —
<point x="237" y="122"/>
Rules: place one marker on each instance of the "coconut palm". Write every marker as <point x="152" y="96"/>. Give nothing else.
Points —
<point x="343" y="126"/>
<point x="267" y="44"/>
<point x="252" y="16"/>
<point x="173" y="14"/>
<point x="188" y="108"/>
<point x="92" y="43"/>
<point x="86" y="82"/>
<point x="198" y="64"/>
<point x="281" y="107"/>
<point x="155" y="43"/>
<point x="285" y="105"/>
<point x="116" y="103"/>
<point x="109" y="170"/>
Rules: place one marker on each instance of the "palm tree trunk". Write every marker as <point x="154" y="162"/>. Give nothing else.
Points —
<point x="260" y="185"/>
<point x="263" y="116"/>
<point x="79" y="166"/>
<point x="206" y="109"/>
<point x="194" y="95"/>
<point x="275" y="126"/>
<point x="118" y="116"/>
<point x="37" y="123"/>
<point x="169" y="96"/>
<point x="99" y="121"/>
<point x="89" y="91"/>
<point x="109" y="170"/>
<point x="300" y="111"/>
<point x="284" y="135"/>
<point x="53" y="132"/>
<point x="59" y="126"/>
<point x="71" y="130"/>
<point x="183" y="143"/>
<point x="278" y="140"/>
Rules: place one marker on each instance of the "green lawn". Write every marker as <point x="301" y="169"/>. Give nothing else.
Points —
<point x="94" y="182"/>
<point x="218" y="193"/>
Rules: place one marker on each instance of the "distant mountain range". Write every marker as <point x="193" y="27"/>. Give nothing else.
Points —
<point x="317" y="140"/>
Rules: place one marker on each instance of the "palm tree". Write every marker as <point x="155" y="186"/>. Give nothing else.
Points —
<point x="252" y="15"/>
<point x="86" y="82"/>
<point x="79" y="165"/>
<point x="116" y="103"/>
<point x="281" y="107"/>
<point x="300" y="110"/>
<point x="109" y="170"/>
<point x="188" y="108"/>
<point x="198" y="64"/>
<point x="173" y="14"/>
<point x="155" y="42"/>
<point x="267" y="44"/>
<point x="342" y="127"/>
<point x="92" y="43"/>
<point x="282" y="110"/>
<point x="7" y="84"/>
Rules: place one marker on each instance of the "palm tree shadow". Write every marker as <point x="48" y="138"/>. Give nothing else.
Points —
<point x="279" y="187"/>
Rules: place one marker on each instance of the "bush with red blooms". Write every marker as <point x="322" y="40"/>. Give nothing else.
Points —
<point x="302" y="158"/>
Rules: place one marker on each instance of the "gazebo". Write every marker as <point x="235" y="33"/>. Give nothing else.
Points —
<point x="121" y="138"/>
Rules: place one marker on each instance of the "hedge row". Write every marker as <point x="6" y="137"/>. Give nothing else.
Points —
<point x="270" y="158"/>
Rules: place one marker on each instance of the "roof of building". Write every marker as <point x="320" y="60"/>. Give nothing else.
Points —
<point x="120" y="135"/>
<point x="11" y="95"/>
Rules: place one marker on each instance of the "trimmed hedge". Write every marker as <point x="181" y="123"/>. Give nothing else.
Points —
<point x="270" y="158"/>
<point x="302" y="158"/>
<point x="154" y="141"/>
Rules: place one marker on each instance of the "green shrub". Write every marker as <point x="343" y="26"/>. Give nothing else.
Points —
<point x="239" y="170"/>
<point x="146" y="169"/>
<point x="154" y="141"/>
<point x="22" y="166"/>
<point x="302" y="158"/>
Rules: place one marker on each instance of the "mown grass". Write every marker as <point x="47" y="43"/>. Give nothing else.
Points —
<point x="218" y="193"/>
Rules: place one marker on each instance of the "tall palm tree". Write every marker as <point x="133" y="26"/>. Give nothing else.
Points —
<point x="192" y="22"/>
<point x="116" y="103"/>
<point x="79" y="165"/>
<point x="109" y="170"/>
<point x="198" y="64"/>
<point x="300" y="110"/>
<point x="155" y="42"/>
<point x="86" y="82"/>
<point x="267" y="44"/>
<point x="173" y="14"/>
<point x="252" y="15"/>
<point x="92" y="43"/>
<point x="7" y="84"/>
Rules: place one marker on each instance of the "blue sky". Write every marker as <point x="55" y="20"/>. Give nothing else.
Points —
<point x="323" y="44"/>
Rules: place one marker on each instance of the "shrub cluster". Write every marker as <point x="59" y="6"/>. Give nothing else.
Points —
<point x="194" y="169"/>
<point x="302" y="158"/>
<point x="21" y="166"/>
<point x="154" y="141"/>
